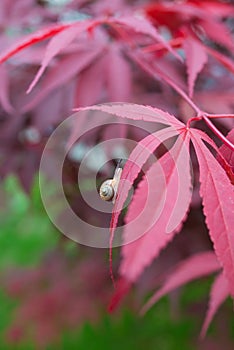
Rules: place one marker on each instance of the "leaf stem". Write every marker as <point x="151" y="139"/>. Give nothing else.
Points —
<point x="217" y="132"/>
<point x="177" y="42"/>
<point x="192" y="120"/>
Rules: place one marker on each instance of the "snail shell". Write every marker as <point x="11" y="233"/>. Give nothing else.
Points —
<point x="107" y="191"/>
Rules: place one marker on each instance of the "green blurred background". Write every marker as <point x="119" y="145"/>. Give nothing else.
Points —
<point x="27" y="238"/>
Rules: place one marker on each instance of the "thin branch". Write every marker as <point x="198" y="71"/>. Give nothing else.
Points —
<point x="220" y="116"/>
<point x="200" y="113"/>
<point x="218" y="133"/>
<point x="166" y="78"/>
<point x="183" y="94"/>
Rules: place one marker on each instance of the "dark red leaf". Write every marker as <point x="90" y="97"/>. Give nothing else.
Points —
<point x="196" y="266"/>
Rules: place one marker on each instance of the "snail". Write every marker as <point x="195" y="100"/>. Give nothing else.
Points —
<point x="108" y="189"/>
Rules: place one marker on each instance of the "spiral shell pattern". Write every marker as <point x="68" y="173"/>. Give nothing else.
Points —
<point x="106" y="191"/>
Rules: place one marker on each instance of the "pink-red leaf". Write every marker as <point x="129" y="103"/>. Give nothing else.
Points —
<point x="136" y="160"/>
<point x="31" y="40"/>
<point x="122" y="288"/>
<point x="138" y="112"/>
<point x="219" y="292"/>
<point x="139" y="24"/>
<point x="226" y="152"/>
<point x="159" y="207"/>
<point x="59" y="42"/>
<point x="216" y="8"/>
<point x="225" y="61"/>
<point x="118" y="75"/>
<point x="196" y="266"/>
<point x="226" y="157"/>
<point x="196" y="58"/>
<point x="92" y="76"/>
<point x="219" y="33"/>
<point x="217" y="194"/>
<point x="56" y="76"/>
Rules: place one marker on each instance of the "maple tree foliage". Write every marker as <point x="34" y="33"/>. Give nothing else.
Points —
<point x="180" y="72"/>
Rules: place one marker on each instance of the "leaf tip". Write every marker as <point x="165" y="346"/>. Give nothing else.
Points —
<point x="122" y="288"/>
